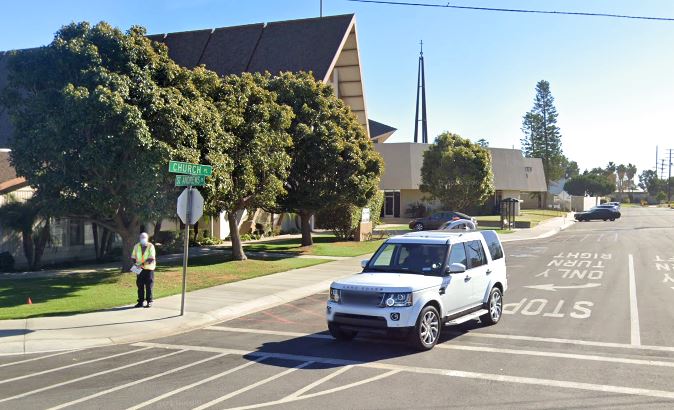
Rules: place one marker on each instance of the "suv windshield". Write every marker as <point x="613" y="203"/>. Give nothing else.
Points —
<point x="424" y="259"/>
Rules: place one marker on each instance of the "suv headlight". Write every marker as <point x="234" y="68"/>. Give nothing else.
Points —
<point x="335" y="295"/>
<point x="398" y="299"/>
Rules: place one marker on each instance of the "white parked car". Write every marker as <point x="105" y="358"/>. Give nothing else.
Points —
<point x="417" y="282"/>
<point x="459" y="224"/>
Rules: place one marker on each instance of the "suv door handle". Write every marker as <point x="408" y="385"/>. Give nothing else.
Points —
<point x="466" y="279"/>
<point x="488" y="271"/>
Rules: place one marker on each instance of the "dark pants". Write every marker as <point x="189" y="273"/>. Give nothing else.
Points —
<point x="145" y="282"/>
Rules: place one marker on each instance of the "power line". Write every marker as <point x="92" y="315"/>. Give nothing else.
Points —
<point x="568" y="13"/>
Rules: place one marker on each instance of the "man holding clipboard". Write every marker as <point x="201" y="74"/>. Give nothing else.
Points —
<point x="144" y="262"/>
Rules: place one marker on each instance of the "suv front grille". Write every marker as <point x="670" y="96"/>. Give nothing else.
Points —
<point x="350" y="297"/>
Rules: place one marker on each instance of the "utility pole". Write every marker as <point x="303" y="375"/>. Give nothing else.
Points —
<point x="321" y="8"/>
<point x="421" y="88"/>
<point x="669" y="178"/>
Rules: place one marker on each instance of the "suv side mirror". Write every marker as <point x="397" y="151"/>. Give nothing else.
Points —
<point x="456" y="268"/>
<point x="364" y="263"/>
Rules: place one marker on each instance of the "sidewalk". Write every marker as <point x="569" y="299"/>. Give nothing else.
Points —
<point x="202" y="307"/>
<point x="543" y="230"/>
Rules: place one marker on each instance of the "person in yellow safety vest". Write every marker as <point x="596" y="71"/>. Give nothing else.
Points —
<point x="144" y="257"/>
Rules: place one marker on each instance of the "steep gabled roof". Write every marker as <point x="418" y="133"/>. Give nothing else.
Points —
<point x="380" y="132"/>
<point x="294" y="45"/>
<point x="326" y="46"/>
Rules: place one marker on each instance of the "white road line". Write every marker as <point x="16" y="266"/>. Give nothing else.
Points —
<point x="268" y="332"/>
<point x="446" y="372"/>
<point x="570" y="341"/>
<point x="89" y="376"/>
<point x="25" y="376"/>
<point x="321" y="393"/>
<point x="634" y="311"/>
<point x="470" y="334"/>
<point x="36" y="358"/>
<point x="195" y="384"/>
<point x="251" y="386"/>
<point x="601" y="236"/>
<point x="135" y="382"/>
<point x="317" y="382"/>
<point x="595" y="358"/>
<point x="585" y="237"/>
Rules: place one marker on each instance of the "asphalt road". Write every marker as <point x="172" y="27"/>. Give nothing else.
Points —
<point x="587" y="324"/>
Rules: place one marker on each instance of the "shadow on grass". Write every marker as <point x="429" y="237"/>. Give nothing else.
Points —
<point x="288" y="245"/>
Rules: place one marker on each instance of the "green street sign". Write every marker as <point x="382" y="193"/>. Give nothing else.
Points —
<point x="190" y="180"/>
<point x="190" y="169"/>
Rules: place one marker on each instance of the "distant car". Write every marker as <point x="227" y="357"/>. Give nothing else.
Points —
<point x="602" y="213"/>
<point x="616" y="204"/>
<point x="459" y="224"/>
<point x="436" y="220"/>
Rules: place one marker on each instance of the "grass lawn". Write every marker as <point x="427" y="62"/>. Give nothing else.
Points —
<point x="535" y="216"/>
<point x="324" y="245"/>
<point x="107" y="288"/>
<point x="393" y="228"/>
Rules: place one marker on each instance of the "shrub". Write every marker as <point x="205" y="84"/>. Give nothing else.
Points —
<point x="661" y="197"/>
<point x="416" y="210"/>
<point x="343" y="220"/>
<point x="6" y="262"/>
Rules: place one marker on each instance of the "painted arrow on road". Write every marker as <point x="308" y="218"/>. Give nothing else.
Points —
<point x="553" y="288"/>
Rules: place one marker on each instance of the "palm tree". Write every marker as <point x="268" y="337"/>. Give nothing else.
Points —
<point x="28" y="218"/>
<point x="621" y="170"/>
<point x="631" y="171"/>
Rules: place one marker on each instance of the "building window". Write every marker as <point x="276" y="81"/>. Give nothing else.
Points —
<point x="76" y="233"/>
<point x="391" y="206"/>
<point x="528" y="169"/>
<point x="58" y="232"/>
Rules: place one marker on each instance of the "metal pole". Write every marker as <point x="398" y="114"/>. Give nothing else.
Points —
<point x="321" y="8"/>
<point x="186" y="250"/>
<point x="669" y="179"/>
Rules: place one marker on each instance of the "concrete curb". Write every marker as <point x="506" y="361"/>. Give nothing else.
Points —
<point x="189" y="322"/>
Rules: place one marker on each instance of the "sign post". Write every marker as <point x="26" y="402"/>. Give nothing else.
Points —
<point x="186" y="248"/>
<point x="190" y="206"/>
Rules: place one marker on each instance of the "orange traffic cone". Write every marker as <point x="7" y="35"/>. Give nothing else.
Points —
<point x="30" y="302"/>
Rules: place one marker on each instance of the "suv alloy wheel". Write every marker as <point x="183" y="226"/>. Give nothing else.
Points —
<point x="427" y="330"/>
<point x="418" y="226"/>
<point x="494" y="306"/>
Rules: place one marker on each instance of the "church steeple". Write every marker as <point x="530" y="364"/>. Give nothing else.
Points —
<point x="421" y="90"/>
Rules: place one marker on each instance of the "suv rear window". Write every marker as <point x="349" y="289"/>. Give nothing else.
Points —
<point x="493" y="244"/>
<point x="475" y="253"/>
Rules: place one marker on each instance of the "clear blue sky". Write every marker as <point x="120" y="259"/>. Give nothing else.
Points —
<point x="613" y="80"/>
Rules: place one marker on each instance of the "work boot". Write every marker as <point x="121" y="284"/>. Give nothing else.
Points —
<point x="139" y="304"/>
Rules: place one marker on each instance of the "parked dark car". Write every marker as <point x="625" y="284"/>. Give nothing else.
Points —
<point x="436" y="220"/>
<point x="598" y="213"/>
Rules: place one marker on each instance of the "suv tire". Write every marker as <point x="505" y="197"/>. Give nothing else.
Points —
<point x="427" y="330"/>
<point x="418" y="226"/>
<point x="495" y="307"/>
<point x="339" y="334"/>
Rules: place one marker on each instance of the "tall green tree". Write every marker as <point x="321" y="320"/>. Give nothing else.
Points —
<point x="457" y="172"/>
<point x="333" y="160"/>
<point x="97" y="115"/>
<point x="630" y="173"/>
<point x="259" y="149"/>
<point x="589" y="184"/>
<point x="542" y="137"/>
<point x="570" y="168"/>
<point x="483" y="143"/>
<point x="621" y="170"/>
